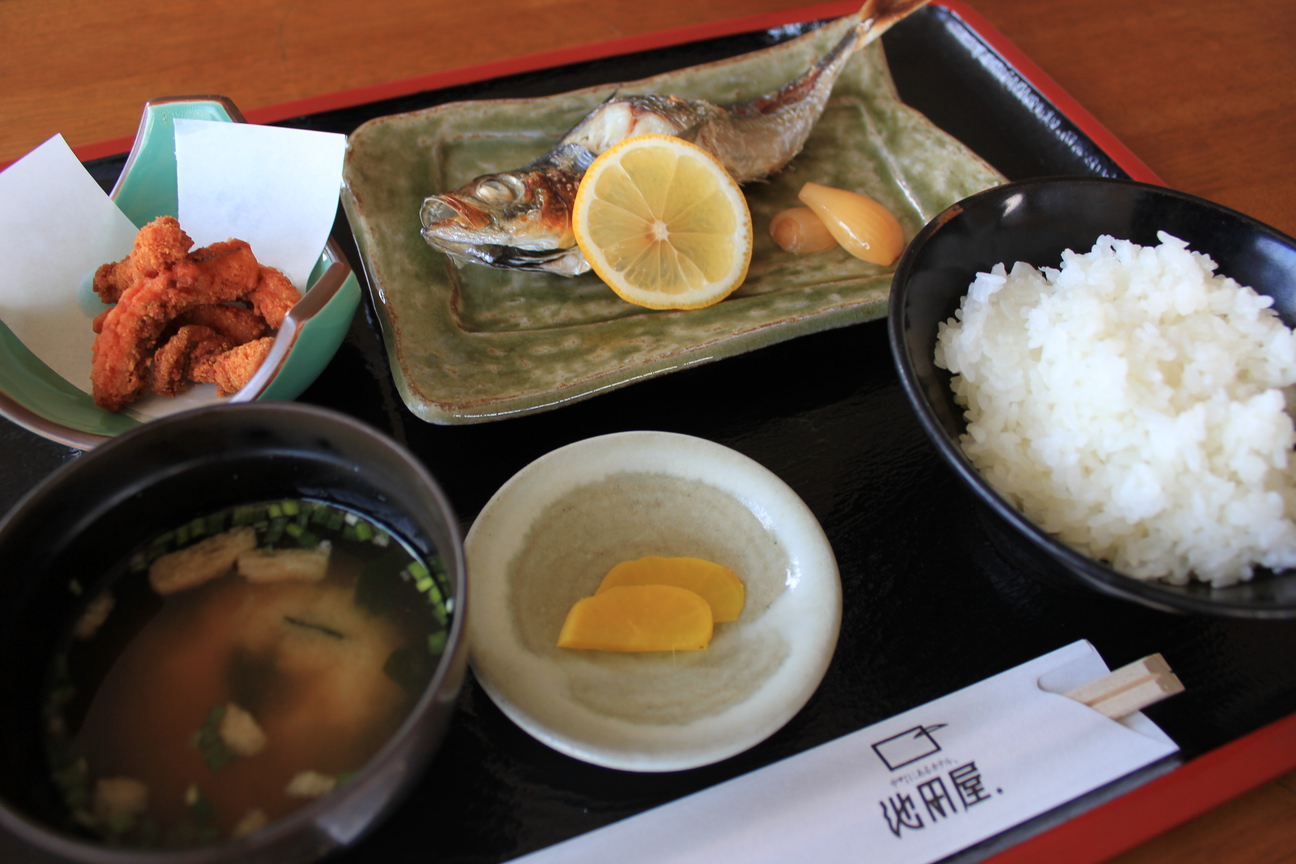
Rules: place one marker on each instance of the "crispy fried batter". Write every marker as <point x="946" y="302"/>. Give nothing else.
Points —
<point x="219" y="273"/>
<point x="239" y="324"/>
<point x="231" y="370"/>
<point x="169" y="373"/>
<point x="185" y="306"/>
<point x="158" y="245"/>
<point x="273" y="296"/>
<point x="122" y="351"/>
<point x="130" y="331"/>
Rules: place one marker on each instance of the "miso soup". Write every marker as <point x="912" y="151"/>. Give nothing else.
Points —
<point x="238" y="667"/>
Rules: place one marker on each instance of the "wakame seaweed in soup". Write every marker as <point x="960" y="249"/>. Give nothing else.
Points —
<point x="238" y="667"/>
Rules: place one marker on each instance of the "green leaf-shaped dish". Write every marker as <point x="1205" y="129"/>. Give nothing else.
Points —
<point x="475" y="344"/>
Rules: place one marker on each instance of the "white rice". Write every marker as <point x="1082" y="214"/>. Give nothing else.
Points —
<point x="1133" y="404"/>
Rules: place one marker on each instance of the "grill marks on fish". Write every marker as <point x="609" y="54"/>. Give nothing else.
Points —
<point x="521" y="219"/>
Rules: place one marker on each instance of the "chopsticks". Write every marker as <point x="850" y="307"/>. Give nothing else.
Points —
<point x="1130" y="688"/>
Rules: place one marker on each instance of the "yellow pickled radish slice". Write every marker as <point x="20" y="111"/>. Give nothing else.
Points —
<point x="800" y="231"/>
<point x="663" y="224"/>
<point x="638" y="618"/>
<point x="718" y="585"/>
<point x="861" y="225"/>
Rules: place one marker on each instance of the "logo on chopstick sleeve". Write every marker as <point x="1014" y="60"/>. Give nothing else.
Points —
<point x="932" y="786"/>
<point x="909" y="746"/>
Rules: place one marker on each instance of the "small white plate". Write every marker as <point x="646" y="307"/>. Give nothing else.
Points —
<point x="549" y="535"/>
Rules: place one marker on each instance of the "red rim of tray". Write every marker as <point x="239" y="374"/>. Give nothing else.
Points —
<point x="1046" y="86"/>
<point x="1097" y="834"/>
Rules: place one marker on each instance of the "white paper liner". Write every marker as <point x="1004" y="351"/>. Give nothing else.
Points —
<point x="275" y="188"/>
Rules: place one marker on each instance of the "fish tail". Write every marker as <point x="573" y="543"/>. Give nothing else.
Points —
<point x="875" y="18"/>
<point x="878" y="16"/>
<point x="755" y="138"/>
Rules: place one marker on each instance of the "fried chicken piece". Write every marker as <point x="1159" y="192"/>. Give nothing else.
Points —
<point x="232" y="370"/>
<point x="158" y="245"/>
<point x="273" y="296"/>
<point x="130" y="331"/>
<point x="169" y="373"/>
<point x="223" y="272"/>
<point x="122" y="351"/>
<point x="237" y="323"/>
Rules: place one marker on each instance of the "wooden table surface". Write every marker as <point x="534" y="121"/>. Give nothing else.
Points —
<point x="1204" y="92"/>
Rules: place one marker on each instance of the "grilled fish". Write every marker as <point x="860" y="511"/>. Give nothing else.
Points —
<point x="521" y="219"/>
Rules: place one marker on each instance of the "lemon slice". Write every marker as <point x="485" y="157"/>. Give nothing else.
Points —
<point x="663" y="223"/>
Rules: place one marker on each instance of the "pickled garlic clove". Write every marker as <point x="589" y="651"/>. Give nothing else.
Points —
<point x="861" y="225"/>
<point x="800" y="231"/>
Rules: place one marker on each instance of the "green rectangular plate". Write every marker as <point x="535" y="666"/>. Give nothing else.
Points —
<point x="475" y="344"/>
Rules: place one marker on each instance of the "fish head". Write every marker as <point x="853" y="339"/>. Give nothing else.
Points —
<point x="514" y="219"/>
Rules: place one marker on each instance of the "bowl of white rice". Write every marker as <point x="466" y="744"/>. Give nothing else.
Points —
<point x="1110" y="368"/>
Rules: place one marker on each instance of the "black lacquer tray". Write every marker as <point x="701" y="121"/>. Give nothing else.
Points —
<point x="930" y="603"/>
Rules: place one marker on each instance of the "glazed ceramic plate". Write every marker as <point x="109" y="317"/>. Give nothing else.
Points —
<point x="475" y="344"/>
<point x="548" y="536"/>
<point x="34" y="396"/>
